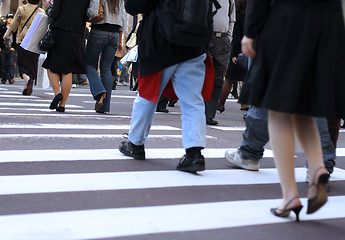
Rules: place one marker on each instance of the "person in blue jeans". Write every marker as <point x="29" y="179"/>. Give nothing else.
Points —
<point x="160" y="61"/>
<point x="256" y="136"/>
<point x="104" y="39"/>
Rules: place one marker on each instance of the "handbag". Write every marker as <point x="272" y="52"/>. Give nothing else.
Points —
<point x="35" y="33"/>
<point x="100" y="15"/>
<point x="132" y="41"/>
<point x="242" y="61"/>
<point x="47" y="42"/>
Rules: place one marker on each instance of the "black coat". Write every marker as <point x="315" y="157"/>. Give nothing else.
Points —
<point x="155" y="52"/>
<point x="70" y="15"/>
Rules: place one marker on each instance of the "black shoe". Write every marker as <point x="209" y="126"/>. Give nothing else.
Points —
<point x="29" y="88"/>
<point x="25" y="92"/>
<point x="131" y="150"/>
<point x="192" y="163"/>
<point x="3" y="81"/>
<point x="172" y="103"/>
<point x="60" y="109"/>
<point x="162" y="110"/>
<point x="210" y="121"/>
<point x="55" y="101"/>
<point x="100" y="111"/>
<point x="221" y="109"/>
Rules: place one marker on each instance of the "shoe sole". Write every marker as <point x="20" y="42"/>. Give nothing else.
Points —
<point x="250" y="167"/>
<point x="136" y="157"/>
<point x="192" y="169"/>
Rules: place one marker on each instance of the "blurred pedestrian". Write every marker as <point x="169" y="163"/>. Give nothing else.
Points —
<point x="104" y="39"/>
<point x="234" y="72"/>
<point x="68" y="19"/>
<point x="300" y="44"/>
<point x="219" y="50"/>
<point x="7" y="51"/>
<point x="27" y="62"/>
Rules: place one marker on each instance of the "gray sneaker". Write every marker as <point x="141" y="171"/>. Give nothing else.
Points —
<point x="235" y="158"/>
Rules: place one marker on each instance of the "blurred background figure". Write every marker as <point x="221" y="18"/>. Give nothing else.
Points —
<point x="104" y="40"/>
<point x="68" y="19"/>
<point x="27" y="62"/>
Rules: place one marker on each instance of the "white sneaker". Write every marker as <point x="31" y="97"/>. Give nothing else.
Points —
<point x="74" y="85"/>
<point x="236" y="159"/>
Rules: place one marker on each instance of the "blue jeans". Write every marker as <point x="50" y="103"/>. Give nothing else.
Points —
<point x="188" y="79"/>
<point x="104" y="43"/>
<point x="9" y="56"/>
<point x="256" y="135"/>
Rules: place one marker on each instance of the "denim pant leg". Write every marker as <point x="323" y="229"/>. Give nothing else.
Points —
<point x="10" y="55"/>
<point x="144" y="110"/>
<point x="188" y="82"/>
<point x="95" y="44"/>
<point x="328" y="149"/>
<point x="107" y="58"/>
<point x="256" y="136"/>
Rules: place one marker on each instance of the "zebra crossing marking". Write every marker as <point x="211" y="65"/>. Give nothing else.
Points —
<point x="76" y="182"/>
<point x="120" y="222"/>
<point x="103" y="154"/>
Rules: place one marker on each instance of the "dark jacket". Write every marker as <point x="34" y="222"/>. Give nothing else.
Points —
<point x="155" y="52"/>
<point x="69" y="15"/>
<point x="257" y="12"/>
<point x="3" y="29"/>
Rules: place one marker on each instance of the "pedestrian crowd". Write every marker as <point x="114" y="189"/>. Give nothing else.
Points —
<point x="280" y="58"/>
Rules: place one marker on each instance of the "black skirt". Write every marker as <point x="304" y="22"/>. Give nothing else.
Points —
<point x="27" y="62"/>
<point x="300" y="63"/>
<point x="67" y="55"/>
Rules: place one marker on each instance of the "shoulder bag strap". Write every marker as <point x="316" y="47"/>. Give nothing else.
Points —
<point x="28" y="20"/>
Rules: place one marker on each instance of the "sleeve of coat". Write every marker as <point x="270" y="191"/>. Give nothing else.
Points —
<point x="257" y="12"/>
<point x="93" y="9"/>
<point x="15" y="23"/>
<point x="55" y="12"/>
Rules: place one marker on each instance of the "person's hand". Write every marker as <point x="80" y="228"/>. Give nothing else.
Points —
<point x="12" y="49"/>
<point x="248" y="47"/>
<point x="234" y="60"/>
<point x="120" y="47"/>
<point x="4" y="37"/>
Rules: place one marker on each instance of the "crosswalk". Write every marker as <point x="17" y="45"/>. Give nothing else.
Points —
<point x="62" y="177"/>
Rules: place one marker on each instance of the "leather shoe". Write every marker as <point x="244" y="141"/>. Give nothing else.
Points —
<point x="162" y="110"/>
<point x="56" y="101"/>
<point x="191" y="163"/>
<point x="210" y="121"/>
<point x="132" y="150"/>
<point x="60" y="109"/>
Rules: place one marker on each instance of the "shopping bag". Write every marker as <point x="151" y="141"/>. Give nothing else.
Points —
<point x="131" y="56"/>
<point x="35" y="33"/>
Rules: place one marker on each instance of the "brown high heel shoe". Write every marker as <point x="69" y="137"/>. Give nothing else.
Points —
<point x="320" y="198"/>
<point x="285" y="212"/>
<point x="99" y="102"/>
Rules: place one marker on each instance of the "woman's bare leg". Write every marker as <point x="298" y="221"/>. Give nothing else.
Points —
<point x="281" y="131"/>
<point x="66" y="85"/>
<point x="309" y="137"/>
<point x="54" y="80"/>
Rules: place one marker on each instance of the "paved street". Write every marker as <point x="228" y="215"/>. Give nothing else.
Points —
<point x="62" y="177"/>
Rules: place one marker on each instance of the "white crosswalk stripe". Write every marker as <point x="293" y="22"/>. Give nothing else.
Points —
<point x="28" y="183"/>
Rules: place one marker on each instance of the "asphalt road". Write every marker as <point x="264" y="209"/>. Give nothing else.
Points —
<point x="62" y="177"/>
